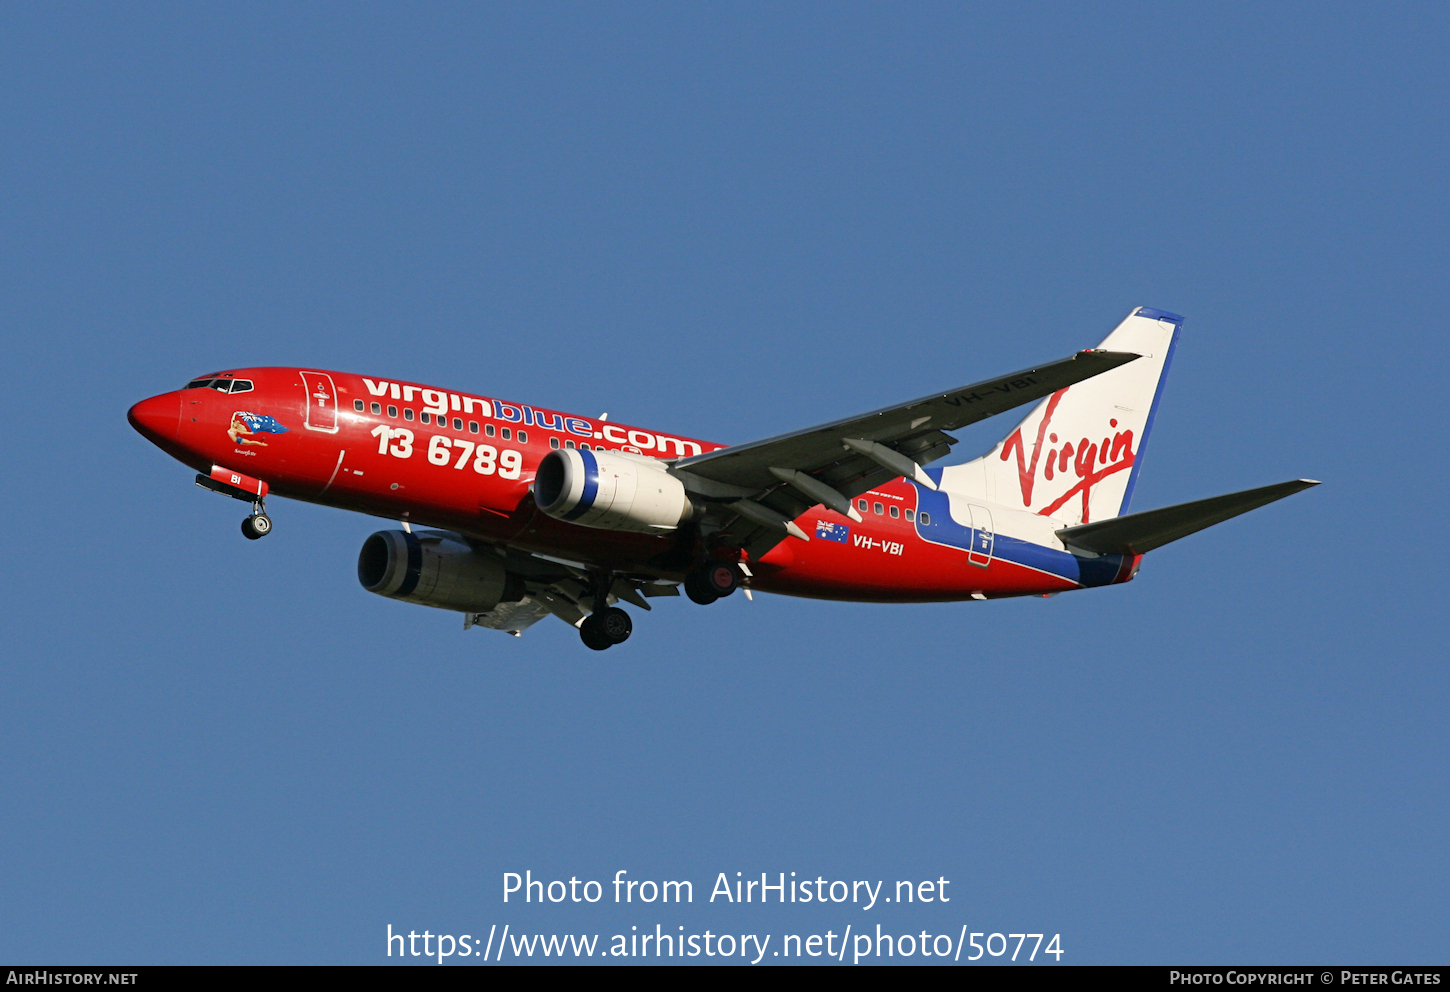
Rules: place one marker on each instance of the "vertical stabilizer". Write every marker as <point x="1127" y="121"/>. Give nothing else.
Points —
<point x="1076" y="456"/>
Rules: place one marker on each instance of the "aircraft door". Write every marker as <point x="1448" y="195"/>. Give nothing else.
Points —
<point x="321" y="402"/>
<point x="983" y="537"/>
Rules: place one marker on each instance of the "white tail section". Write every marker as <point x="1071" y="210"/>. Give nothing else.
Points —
<point x="1075" y="458"/>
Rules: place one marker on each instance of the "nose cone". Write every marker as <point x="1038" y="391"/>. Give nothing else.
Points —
<point x="158" y="419"/>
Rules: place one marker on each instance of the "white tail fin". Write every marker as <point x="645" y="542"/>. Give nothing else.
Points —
<point x="1076" y="456"/>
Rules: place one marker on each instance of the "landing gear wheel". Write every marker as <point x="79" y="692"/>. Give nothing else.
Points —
<point x="711" y="581"/>
<point x="592" y="636"/>
<point x="257" y="525"/>
<point x="721" y="578"/>
<point x="696" y="589"/>
<point x="614" y="624"/>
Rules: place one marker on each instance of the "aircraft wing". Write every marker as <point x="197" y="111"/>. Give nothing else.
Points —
<point x="759" y="487"/>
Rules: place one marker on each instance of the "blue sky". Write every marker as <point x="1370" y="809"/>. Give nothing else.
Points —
<point x="727" y="221"/>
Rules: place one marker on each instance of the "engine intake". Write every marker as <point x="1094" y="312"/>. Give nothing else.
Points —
<point x="610" y="490"/>
<point x="435" y="570"/>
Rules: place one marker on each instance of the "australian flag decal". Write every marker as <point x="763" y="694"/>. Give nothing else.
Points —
<point x="260" y="423"/>
<point x="839" y="533"/>
<point x="245" y="427"/>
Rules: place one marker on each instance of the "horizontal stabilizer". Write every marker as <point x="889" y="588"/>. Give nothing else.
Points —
<point x="1139" y="533"/>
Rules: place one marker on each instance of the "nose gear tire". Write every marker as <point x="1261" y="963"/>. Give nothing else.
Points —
<point x="257" y="525"/>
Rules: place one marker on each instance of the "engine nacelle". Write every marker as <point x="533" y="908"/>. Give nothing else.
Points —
<point x="434" y="570"/>
<point x="610" y="490"/>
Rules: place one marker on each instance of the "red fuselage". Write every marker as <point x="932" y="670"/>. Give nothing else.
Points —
<point x="465" y="463"/>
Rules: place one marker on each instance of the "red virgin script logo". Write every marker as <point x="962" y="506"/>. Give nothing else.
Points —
<point x="1091" y="460"/>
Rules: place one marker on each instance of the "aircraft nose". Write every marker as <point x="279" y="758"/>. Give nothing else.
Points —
<point x="158" y="418"/>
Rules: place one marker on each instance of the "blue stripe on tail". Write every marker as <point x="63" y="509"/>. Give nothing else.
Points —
<point x="1177" y="321"/>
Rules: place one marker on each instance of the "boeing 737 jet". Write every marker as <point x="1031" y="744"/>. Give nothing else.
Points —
<point x="510" y="513"/>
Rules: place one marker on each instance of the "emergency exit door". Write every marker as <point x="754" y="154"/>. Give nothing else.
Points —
<point x="983" y="537"/>
<point x="321" y="402"/>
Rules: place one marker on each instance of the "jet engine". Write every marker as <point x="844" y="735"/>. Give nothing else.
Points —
<point x="434" y="569"/>
<point x="610" y="490"/>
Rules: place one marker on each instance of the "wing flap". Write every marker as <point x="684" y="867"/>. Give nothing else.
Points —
<point x="1139" y="533"/>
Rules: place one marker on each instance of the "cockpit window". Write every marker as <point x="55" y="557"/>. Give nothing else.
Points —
<point x="221" y="384"/>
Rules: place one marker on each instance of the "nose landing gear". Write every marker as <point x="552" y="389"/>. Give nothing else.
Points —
<point x="230" y="483"/>
<point x="258" y="524"/>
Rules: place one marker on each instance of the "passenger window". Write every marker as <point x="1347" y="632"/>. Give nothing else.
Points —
<point x="242" y="386"/>
<point x="504" y="434"/>
<point x="488" y="429"/>
<point x="473" y="427"/>
<point x="861" y="505"/>
<point x="553" y="442"/>
<point x="584" y="445"/>
<point x="407" y="413"/>
<point x="377" y="408"/>
<point x="877" y="508"/>
<point x="568" y="444"/>
<point x="393" y="412"/>
<point x="458" y="423"/>
<point x="523" y="437"/>
<point x="895" y="511"/>
<point x="910" y="514"/>
<point x="424" y="416"/>
<point x="359" y="406"/>
<point x="925" y="519"/>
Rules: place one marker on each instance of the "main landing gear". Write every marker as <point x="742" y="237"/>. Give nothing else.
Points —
<point x="606" y="628"/>
<point x="258" y="524"/>
<point x="711" y="581"/>
<point x="607" y="625"/>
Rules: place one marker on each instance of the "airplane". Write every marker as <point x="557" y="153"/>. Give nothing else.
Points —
<point x="511" y="513"/>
